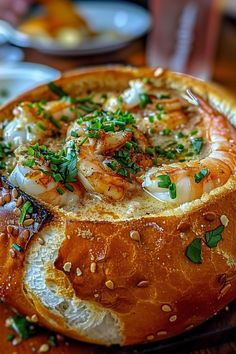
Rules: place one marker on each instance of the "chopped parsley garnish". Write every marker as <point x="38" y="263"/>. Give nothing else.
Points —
<point x="60" y="191"/>
<point x="62" y="165"/>
<point x="194" y="251"/>
<point x="17" y="247"/>
<point x="22" y="327"/>
<point x="165" y="182"/>
<point x="5" y="152"/>
<point x="144" y="99"/>
<point x="163" y="96"/>
<point x="212" y="237"/>
<point x="160" y="107"/>
<point x="165" y="132"/>
<point x="200" y="175"/>
<point x="112" y="165"/>
<point x="24" y="211"/>
<point x="197" y="144"/>
<point x="179" y="135"/>
<point x="57" y="90"/>
<point x="193" y="132"/>
<point x="172" y="190"/>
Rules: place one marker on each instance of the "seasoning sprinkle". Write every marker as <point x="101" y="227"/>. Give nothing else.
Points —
<point x="109" y="284"/>
<point x="24" y="210"/>
<point x="200" y="175"/>
<point x="17" y="247"/>
<point x="194" y="251"/>
<point x="212" y="237"/>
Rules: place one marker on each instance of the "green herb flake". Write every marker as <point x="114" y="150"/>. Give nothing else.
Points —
<point x="193" y="132"/>
<point x="112" y="165"/>
<point x="144" y="99"/>
<point x="194" y="251"/>
<point x="52" y="341"/>
<point x="60" y="191"/>
<point x="149" y="151"/>
<point x="212" y="237"/>
<point x="29" y="162"/>
<point x="24" y="211"/>
<point x="198" y="177"/>
<point x="30" y="151"/>
<point x="164" y="181"/>
<point x="22" y="327"/>
<point x="57" y="90"/>
<point x="41" y="126"/>
<point x="163" y="96"/>
<point x="69" y="187"/>
<point x="179" y="135"/>
<point x="17" y="247"/>
<point x="165" y="132"/>
<point x="197" y="144"/>
<point x="10" y="337"/>
<point x="74" y="134"/>
<point x="172" y="190"/>
<point x="151" y="119"/>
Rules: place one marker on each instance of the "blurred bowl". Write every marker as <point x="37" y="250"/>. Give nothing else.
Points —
<point x="16" y="78"/>
<point x="127" y="20"/>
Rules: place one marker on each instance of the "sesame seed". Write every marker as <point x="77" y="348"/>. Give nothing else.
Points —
<point x="166" y="308"/>
<point x="25" y="234"/>
<point x="78" y="272"/>
<point x="189" y="327"/>
<point x="34" y="318"/>
<point x="7" y="198"/>
<point x="19" y="201"/>
<point x="41" y="241"/>
<point x="183" y="226"/>
<point x="44" y="348"/>
<point x="158" y="72"/>
<point x="28" y="222"/>
<point x="93" y="267"/>
<point x="143" y="284"/>
<point x="161" y="333"/>
<point x="173" y="318"/>
<point x="12" y="253"/>
<point x="16" y="211"/>
<point x="16" y="341"/>
<point x="67" y="266"/>
<point x="150" y="337"/>
<point x="135" y="235"/>
<point x="2" y="202"/>
<point x="224" y="220"/>
<point x="224" y="290"/>
<point x="209" y="216"/>
<point x="14" y="193"/>
<point x="109" y="284"/>
<point x="9" y="229"/>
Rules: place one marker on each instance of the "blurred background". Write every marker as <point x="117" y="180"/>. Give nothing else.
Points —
<point x="40" y="39"/>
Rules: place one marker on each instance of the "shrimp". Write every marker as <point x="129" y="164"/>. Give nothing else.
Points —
<point x="98" y="178"/>
<point x="33" y="122"/>
<point x="38" y="184"/>
<point x="193" y="178"/>
<point x="129" y="98"/>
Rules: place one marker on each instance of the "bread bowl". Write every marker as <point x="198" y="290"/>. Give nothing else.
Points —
<point x="107" y="256"/>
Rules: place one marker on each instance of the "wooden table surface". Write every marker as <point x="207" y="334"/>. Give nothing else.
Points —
<point x="224" y="72"/>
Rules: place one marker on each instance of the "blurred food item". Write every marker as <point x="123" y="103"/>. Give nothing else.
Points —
<point x="60" y="22"/>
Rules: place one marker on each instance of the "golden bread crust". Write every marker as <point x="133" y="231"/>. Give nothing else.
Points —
<point x="147" y="281"/>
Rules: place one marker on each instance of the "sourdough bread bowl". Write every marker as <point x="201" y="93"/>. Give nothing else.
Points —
<point x="134" y="265"/>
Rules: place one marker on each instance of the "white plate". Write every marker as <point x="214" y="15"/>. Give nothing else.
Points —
<point x="17" y="78"/>
<point x="127" y="19"/>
